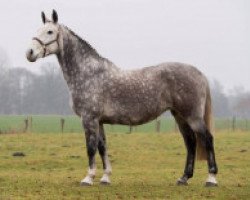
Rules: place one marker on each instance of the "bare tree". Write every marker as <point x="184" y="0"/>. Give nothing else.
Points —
<point x="240" y="102"/>
<point x="4" y="65"/>
<point x="23" y="92"/>
<point x="220" y="100"/>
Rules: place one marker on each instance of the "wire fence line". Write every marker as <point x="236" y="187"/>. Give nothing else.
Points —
<point x="72" y="124"/>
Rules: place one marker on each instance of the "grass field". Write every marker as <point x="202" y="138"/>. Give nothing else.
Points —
<point x="52" y="124"/>
<point x="145" y="166"/>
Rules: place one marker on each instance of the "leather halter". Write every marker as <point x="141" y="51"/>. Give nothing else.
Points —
<point x="44" y="45"/>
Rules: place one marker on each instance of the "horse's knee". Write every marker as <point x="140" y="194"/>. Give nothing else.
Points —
<point x="101" y="147"/>
<point x="91" y="141"/>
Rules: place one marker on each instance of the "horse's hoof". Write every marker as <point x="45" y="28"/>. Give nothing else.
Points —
<point x="104" y="183"/>
<point x="181" y="182"/>
<point x="211" y="184"/>
<point x="87" y="181"/>
<point x="105" y="180"/>
<point x="86" y="184"/>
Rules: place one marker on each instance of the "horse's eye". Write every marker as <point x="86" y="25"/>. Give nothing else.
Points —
<point x="50" y="32"/>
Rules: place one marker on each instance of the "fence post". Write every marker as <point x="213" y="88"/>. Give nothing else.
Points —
<point x="31" y="123"/>
<point x="26" y="125"/>
<point x="130" y="129"/>
<point x="158" y="125"/>
<point x="62" y="124"/>
<point x="234" y="123"/>
<point x="228" y="125"/>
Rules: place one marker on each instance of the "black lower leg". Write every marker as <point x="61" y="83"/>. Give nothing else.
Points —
<point x="91" y="142"/>
<point x="190" y="143"/>
<point x="209" y="143"/>
<point x="102" y="146"/>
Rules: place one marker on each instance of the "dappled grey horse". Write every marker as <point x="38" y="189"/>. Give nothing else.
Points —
<point x="102" y="93"/>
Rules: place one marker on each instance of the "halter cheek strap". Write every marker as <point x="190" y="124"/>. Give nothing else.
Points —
<point x="44" y="45"/>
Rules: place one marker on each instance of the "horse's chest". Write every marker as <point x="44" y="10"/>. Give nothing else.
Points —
<point x="76" y="103"/>
<point x="82" y="101"/>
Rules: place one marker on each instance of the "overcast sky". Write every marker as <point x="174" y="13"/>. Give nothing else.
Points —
<point x="213" y="35"/>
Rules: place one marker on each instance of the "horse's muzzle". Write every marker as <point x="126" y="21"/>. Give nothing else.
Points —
<point x="30" y="55"/>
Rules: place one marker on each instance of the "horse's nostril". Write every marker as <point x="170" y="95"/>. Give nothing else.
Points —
<point x="30" y="55"/>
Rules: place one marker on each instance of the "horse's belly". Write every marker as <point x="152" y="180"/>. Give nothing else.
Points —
<point x="136" y="103"/>
<point x="145" y="114"/>
<point x="132" y="114"/>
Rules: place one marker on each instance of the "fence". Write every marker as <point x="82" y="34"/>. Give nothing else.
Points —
<point x="69" y="124"/>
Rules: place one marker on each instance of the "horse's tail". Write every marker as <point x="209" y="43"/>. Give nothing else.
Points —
<point x="208" y="118"/>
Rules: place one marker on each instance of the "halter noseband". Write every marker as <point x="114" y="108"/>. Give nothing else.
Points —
<point x="44" y="45"/>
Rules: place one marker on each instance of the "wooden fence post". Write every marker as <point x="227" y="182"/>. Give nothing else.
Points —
<point x="31" y="123"/>
<point x="234" y="123"/>
<point x="228" y="125"/>
<point x="62" y="124"/>
<point x="26" y="125"/>
<point x="130" y="129"/>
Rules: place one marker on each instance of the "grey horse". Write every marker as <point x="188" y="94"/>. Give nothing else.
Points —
<point x="102" y="94"/>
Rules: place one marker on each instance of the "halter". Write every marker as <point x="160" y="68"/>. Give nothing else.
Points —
<point x="44" y="45"/>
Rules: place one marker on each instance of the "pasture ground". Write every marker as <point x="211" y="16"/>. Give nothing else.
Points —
<point x="145" y="166"/>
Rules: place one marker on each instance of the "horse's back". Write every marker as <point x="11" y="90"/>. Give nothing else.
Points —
<point x="175" y="69"/>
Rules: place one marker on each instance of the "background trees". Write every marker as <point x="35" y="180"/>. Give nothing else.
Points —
<point x="25" y="92"/>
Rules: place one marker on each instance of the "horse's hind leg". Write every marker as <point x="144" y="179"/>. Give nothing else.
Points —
<point x="102" y="147"/>
<point x="190" y="142"/>
<point x="207" y="143"/>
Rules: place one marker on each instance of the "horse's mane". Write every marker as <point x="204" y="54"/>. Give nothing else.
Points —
<point x="83" y="42"/>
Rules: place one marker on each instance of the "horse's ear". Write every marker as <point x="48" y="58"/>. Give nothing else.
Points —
<point x="54" y="16"/>
<point x="44" y="18"/>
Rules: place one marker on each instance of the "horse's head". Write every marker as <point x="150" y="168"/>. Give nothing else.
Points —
<point x="46" y="41"/>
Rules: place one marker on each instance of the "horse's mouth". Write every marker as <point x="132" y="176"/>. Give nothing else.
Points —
<point x="31" y="60"/>
<point x="30" y="56"/>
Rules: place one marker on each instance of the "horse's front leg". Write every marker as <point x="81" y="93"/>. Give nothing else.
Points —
<point x="102" y="147"/>
<point x="91" y="127"/>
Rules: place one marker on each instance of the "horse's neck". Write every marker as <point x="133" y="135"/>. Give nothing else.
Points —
<point x="78" y="60"/>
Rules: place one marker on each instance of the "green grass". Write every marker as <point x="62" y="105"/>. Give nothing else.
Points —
<point x="145" y="166"/>
<point x="52" y="124"/>
<point x="40" y="123"/>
